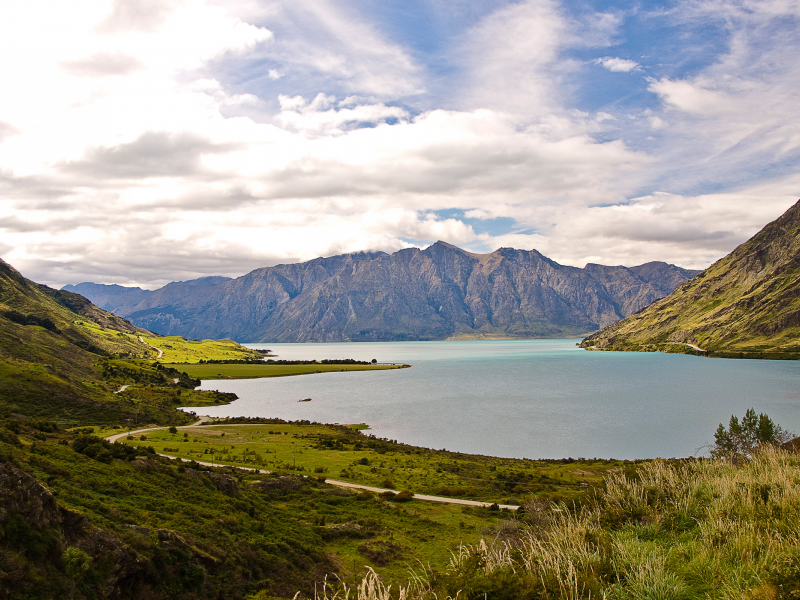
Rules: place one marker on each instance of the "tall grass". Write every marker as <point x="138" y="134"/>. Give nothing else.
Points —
<point x="672" y="530"/>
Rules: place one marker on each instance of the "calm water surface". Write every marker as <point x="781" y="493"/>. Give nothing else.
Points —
<point x="525" y="398"/>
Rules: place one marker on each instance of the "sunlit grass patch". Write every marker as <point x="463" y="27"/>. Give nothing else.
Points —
<point x="252" y="371"/>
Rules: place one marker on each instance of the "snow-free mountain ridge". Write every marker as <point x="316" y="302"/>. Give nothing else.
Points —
<point x="437" y="293"/>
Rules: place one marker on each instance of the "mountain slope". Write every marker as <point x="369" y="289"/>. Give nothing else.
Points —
<point x="60" y="359"/>
<point x="437" y="293"/>
<point x="746" y="304"/>
<point x="122" y="300"/>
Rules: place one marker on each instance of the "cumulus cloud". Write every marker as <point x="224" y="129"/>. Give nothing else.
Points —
<point x="618" y="65"/>
<point x="163" y="156"/>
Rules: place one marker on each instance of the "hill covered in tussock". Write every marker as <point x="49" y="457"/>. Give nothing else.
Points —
<point x="745" y="305"/>
<point x="64" y="359"/>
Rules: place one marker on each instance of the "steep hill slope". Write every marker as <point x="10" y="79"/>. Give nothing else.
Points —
<point x="746" y="304"/>
<point x="55" y="353"/>
<point x="437" y="293"/>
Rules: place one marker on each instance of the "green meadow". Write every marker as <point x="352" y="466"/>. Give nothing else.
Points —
<point x="179" y="350"/>
<point x="255" y="370"/>
<point x="341" y="452"/>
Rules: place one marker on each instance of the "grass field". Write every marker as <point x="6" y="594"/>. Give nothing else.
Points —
<point x="179" y="350"/>
<point x="253" y="371"/>
<point x="272" y="528"/>
<point x="339" y="452"/>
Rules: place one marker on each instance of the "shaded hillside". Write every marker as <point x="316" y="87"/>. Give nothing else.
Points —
<point x="437" y="293"/>
<point x="746" y="304"/>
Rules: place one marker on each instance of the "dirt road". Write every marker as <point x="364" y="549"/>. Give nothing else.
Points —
<point x="160" y="352"/>
<point x="343" y="484"/>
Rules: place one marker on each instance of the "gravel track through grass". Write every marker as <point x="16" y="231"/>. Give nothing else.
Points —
<point x="343" y="484"/>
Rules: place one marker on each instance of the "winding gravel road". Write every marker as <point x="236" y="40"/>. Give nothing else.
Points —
<point x="160" y="352"/>
<point x="342" y="484"/>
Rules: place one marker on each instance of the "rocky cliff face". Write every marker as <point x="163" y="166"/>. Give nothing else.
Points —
<point x="746" y="304"/>
<point x="40" y="519"/>
<point x="437" y="293"/>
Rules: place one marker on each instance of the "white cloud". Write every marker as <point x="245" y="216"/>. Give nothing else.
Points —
<point x="618" y="65"/>
<point x="332" y="44"/>
<point x="510" y="58"/>
<point x="147" y="165"/>
<point x="692" y="97"/>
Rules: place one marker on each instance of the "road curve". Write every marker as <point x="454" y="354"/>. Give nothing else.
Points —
<point x="698" y="348"/>
<point x="159" y="350"/>
<point x="343" y="484"/>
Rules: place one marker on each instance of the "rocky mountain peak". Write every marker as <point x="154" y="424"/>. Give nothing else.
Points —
<point x="412" y="294"/>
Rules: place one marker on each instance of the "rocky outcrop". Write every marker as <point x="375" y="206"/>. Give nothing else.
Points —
<point x="437" y="293"/>
<point x="23" y="497"/>
<point x="21" y="494"/>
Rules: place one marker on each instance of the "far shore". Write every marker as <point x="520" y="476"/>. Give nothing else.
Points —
<point x="259" y="371"/>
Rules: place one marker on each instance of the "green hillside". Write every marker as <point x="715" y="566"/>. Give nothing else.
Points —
<point x="65" y="360"/>
<point x="745" y="305"/>
<point x="84" y="518"/>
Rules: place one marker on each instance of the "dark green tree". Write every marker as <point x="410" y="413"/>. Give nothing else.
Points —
<point x="742" y="439"/>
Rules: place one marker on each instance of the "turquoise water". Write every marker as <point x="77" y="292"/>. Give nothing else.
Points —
<point x="525" y="398"/>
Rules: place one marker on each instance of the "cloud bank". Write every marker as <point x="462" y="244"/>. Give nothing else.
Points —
<point x="144" y="142"/>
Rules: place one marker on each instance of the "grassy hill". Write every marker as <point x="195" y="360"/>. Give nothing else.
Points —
<point x="745" y="305"/>
<point x="80" y="519"/>
<point x="63" y="359"/>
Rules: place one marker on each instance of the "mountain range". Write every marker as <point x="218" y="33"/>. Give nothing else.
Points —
<point x="441" y="292"/>
<point x="745" y="305"/>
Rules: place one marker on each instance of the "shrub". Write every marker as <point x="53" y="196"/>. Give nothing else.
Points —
<point x="745" y="438"/>
<point x="173" y="429"/>
<point x="404" y="496"/>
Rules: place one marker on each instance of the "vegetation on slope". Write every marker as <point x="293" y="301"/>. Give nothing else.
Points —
<point x="706" y="529"/>
<point x="175" y="349"/>
<point x="153" y="528"/>
<point x="746" y="305"/>
<point x="64" y="359"/>
<point x="341" y="452"/>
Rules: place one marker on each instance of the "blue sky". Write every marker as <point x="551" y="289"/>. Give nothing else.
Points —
<point x="146" y="141"/>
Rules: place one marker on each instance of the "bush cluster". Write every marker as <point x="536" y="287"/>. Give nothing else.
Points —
<point x="23" y="319"/>
<point x="104" y="451"/>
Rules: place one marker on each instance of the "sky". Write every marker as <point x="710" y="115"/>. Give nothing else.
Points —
<point x="148" y="141"/>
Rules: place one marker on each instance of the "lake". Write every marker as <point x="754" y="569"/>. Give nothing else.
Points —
<point x="525" y="398"/>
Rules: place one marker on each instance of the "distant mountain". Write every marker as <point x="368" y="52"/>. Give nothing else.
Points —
<point x="438" y="293"/>
<point x="746" y="304"/>
<point x="121" y="300"/>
